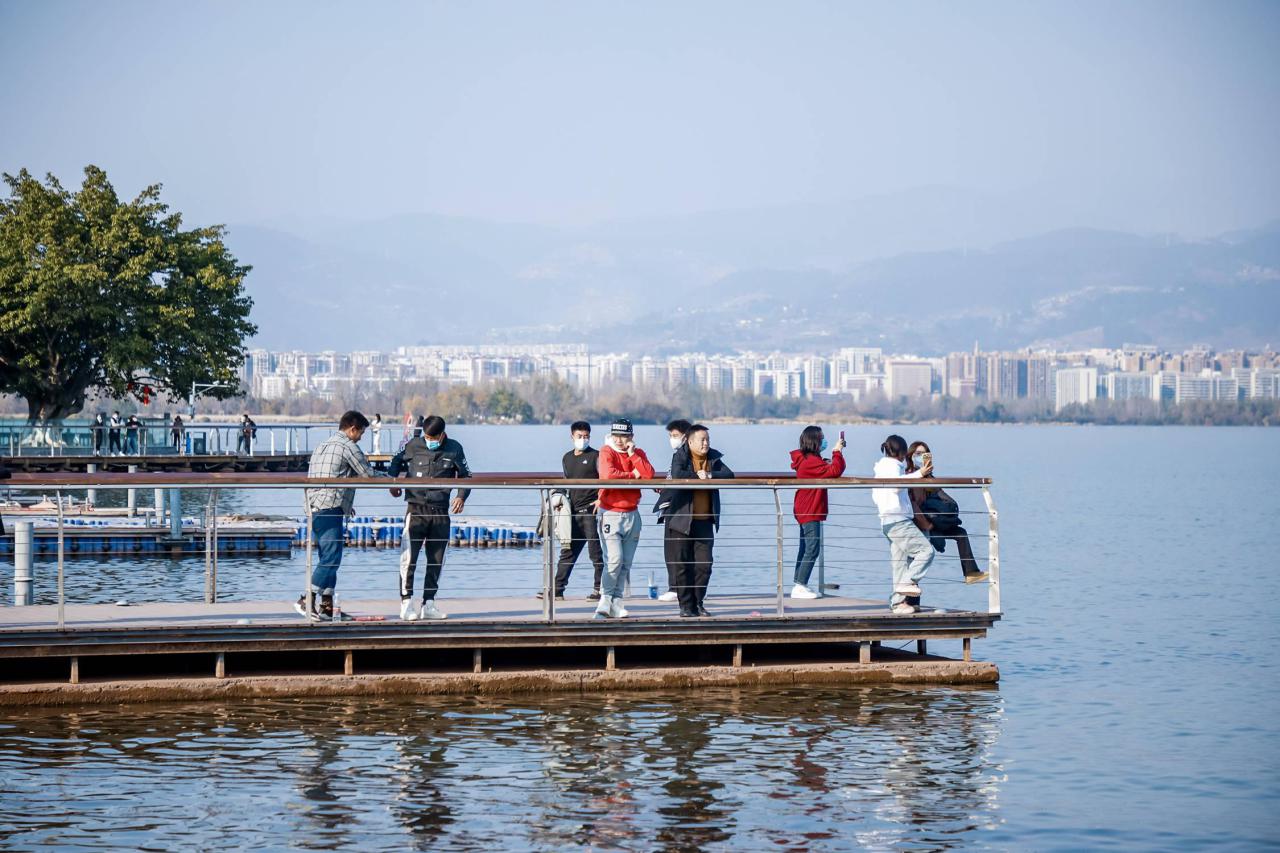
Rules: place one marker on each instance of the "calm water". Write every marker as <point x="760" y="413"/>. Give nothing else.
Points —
<point x="1138" y="707"/>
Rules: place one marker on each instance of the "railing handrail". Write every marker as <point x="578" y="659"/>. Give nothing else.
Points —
<point x="511" y="480"/>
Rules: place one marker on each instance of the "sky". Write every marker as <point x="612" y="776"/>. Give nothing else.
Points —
<point x="1150" y="116"/>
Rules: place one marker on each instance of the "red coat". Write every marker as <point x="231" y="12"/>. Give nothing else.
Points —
<point x="613" y="465"/>
<point x="811" y="504"/>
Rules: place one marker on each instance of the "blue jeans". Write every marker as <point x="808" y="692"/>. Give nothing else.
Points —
<point x="810" y="548"/>
<point x="326" y="533"/>
<point x="910" y="554"/>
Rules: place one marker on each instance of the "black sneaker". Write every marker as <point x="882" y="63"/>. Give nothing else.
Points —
<point x="301" y="606"/>
<point x="559" y="595"/>
<point x="702" y="611"/>
<point x="594" y="595"/>
<point x="326" y="611"/>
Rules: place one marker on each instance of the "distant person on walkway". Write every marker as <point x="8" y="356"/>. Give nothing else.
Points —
<point x="248" y="430"/>
<point x="676" y="432"/>
<point x="375" y="427"/>
<point x="580" y="463"/>
<point x="131" y="428"/>
<point x="99" y="428"/>
<point x="909" y="551"/>
<point x="692" y="517"/>
<point x="337" y="456"/>
<point x="938" y="516"/>
<point x="810" y="505"/>
<point x="435" y="456"/>
<point x="113" y="434"/>
<point x="620" y="524"/>
<point x="176" y="430"/>
<point x="412" y="430"/>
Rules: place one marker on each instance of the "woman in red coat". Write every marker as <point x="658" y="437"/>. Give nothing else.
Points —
<point x="811" y="504"/>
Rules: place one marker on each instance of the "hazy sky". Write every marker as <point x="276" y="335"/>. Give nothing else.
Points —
<point x="1153" y="116"/>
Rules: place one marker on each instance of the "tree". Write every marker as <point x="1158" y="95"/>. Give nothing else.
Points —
<point x="99" y="293"/>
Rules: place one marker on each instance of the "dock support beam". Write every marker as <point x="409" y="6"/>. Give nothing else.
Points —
<point x="75" y="670"/>
<point x="175" y="513"/>
<point x="864" y="652"/>
<point x="23" y="580"/>
<point x="348" y="662"/>
<point x="610" y="660"/>
<point x="91" y="496"/>
<point x="968" y="649"/>
<point x="922" y="647"/>
<point x="737" y="655"/>
<point x="477" y="662"/>
<point x="132" y="500"/>
<point x="220" y="666"/>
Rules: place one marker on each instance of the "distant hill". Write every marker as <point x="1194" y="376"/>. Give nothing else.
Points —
<point x="928" y="271"/>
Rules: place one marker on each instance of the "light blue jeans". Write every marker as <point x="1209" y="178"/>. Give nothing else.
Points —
<point x="910" y="554"/>
<point x="619" y="534"/>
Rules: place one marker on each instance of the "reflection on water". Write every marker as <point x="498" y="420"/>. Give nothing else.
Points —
<point x="729" y="769"/>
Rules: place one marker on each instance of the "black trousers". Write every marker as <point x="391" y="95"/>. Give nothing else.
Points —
<point x="585" y="533"/>
<point x="97" y="440"/>
<point x="958" y="535"/>
<point x="114" y="437"/>
<point x="426" y="526"/>
<point x="242" y="442"/>
<point x="689" y="561"/>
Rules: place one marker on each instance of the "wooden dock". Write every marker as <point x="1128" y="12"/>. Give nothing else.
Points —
<point x="190" y="651"/>
<point x="158" y="463"/>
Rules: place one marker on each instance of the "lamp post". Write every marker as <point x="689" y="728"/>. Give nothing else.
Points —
<point x="197" y="388"/>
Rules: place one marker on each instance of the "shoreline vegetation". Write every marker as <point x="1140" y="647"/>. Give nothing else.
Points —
<point x="545" y="401"/>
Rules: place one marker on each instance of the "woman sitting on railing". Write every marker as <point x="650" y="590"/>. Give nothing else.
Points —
<point x="938" y="516"/>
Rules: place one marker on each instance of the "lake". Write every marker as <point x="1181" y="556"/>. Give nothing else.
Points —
<point x="1137" y="708"/>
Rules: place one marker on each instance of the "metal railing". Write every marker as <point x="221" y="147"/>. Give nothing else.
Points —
<point x="857" y="532"/>
<point x="155" y="437"/>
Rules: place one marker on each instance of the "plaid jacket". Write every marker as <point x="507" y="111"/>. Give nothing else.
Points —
<point x="337" y="456"/>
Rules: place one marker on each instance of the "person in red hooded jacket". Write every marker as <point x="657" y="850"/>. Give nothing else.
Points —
<point x="811" y="504"/>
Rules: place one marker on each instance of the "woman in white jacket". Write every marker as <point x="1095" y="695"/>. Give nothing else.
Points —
<point x="910" y="552"/>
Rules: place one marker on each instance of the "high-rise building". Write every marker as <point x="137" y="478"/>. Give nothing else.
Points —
<point x="1075" y="386"/>
<point x="908" y="378"/>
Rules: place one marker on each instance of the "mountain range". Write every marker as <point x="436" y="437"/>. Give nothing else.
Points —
<point x="926" y="272"/>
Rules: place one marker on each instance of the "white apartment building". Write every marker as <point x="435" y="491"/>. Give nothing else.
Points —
<point x="1075" y="385"/>
<point x="908" y="379"/>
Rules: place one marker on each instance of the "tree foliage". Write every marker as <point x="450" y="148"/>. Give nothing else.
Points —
<point x="100" y="293"/>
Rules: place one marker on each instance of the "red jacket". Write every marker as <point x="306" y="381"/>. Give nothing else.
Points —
<point x="618" y="466"/>
<point x="811" y="504"/>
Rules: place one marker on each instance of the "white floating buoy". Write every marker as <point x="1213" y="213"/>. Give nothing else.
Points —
<point x="122" y="603"/>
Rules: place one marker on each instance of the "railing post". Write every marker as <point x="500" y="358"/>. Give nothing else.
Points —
<point x="777" y="505"/>
<point x="822" y="564"/>
<point x="214" y="585"/>
<point x="91" y="495"/>
<point x="272" y="433"/>
<point x="175" y="514"/>
<point x="993" y="553"/>
<point x="132" y="495"/>
<point x="62" y="598"/>
<point x="311" y="535"/>
<point x="208" y="545"/>
<point x="548" y="576"/>
<point x="23" y="548"/>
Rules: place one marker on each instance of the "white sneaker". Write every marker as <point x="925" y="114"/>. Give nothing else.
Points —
<point x="802" y="591"/>
<point x="408" y="610"/>
<point x="616" y="610"/>
<point x="605" y="608"/>
<point x="669" y="595"/>
<point x="907" y="589"/>
<point x="903" y="609"/>
<point x="430" y="611"/>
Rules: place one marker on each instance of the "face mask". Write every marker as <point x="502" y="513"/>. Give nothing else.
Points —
<point x="676" y="442"/>
<point x="433" y="445"/>
<point x="918" y="461"/>
<point x="581" y="443"/>
<point x="824" y="446"/>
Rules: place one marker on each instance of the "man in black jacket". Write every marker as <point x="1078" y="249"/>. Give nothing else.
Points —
<point x="692" y="517"/>
<point x="432" y="455"/>
<point x="580" y="464"/>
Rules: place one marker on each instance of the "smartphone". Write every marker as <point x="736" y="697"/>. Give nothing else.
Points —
<point x="842" y="435"/>
<point x="926" y="459"/>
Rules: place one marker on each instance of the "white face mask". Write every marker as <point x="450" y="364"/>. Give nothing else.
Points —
<point x="581" y="443"/>
<point x="675" y="443"/>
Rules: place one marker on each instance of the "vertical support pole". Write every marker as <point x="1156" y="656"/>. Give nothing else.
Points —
<point x="477" y="662"/>
<point x="922" y="647"/>
<point x="288" y="441"/>
<point x="91" y="496"/>
<point x="822" y="564"/>
<point x="737" y="655"/>
<point x="62" y="597"/>
<point x="993" y="553"/>
<point x="158" y="501"/>
<point x="311" y="538"/>
<point x="349" y="662"/>
<point x="133" y="494"/>
<point x="548" y="568"/>
<point x="610" y="659"/>
<point x="175" y="513"/>
<point x="220" y="665"/>
<point x="777" y="505"/>
<point x="213" y="587"/>
<point x="272" y="432"/>
<point x="208" y="549"/>
<point x="23" y="580"/>
<point x="864" y="652"/>
<point x="968" y="649"/>
<point x="75" y="670"/>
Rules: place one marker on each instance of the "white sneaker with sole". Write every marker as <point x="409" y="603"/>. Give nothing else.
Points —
<point x="430" y="611"/>
<point x="903" y="609"/>
<point x="907" y="589"/>
<point x="604" y="609"/>
<point x="616" y="610"/>
<point x="802" y="591"/>
<point x="408" y="610"/>
<point x="669" y="595"/>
